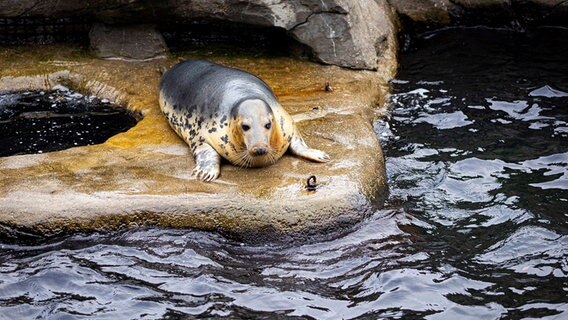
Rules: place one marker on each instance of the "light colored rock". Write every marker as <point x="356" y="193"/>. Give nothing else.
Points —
<point x="142" y="176"/>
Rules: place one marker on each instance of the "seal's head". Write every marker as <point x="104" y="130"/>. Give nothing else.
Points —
<point x="254" y="133"/>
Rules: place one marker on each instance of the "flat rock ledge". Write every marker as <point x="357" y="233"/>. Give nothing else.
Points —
<point x="143" y="176"/>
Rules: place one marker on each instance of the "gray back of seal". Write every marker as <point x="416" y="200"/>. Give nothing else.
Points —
<point x="211" y="90"/>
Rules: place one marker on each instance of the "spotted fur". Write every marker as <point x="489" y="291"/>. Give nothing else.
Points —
<point x="209" y="106"/>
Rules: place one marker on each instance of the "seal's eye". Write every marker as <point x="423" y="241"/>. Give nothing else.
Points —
<point x="245" y="127"/>
<point x="268" y="125"/>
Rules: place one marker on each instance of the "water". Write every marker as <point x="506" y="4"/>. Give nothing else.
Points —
<point x="475" y="226"/>
<point x="40" y="121"/>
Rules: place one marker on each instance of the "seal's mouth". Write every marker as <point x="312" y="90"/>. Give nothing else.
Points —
<point x="256" y="158"/>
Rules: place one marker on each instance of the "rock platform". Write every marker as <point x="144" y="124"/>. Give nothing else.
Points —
<point x="143" y="176"/>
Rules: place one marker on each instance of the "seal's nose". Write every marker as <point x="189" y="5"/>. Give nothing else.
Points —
<point x="259" y="151"/>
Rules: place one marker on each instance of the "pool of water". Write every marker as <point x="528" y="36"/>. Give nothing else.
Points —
<point x="45" y="121"/>
<point x="476" y="225"/>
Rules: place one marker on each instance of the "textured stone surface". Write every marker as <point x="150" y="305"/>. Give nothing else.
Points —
<point x="128" y="42"/>
<point x="510" y="13"/>
<point x="142" y="176"/>
<point x="349" y="38"/>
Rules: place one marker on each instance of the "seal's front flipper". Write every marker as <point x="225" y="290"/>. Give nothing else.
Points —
<point x="299" y="148"/>
<point x="207" y="163"/>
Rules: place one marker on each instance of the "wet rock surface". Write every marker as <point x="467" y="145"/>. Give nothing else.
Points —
<point x="142" y="176"/>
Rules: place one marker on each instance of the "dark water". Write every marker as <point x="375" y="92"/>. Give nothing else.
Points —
<point x="475" y="227"/>
<point x="38" y="121"/>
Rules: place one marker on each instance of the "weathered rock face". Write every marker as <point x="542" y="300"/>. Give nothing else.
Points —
<point x="143" y="176"/>
<point x="430" y="12"/>
<point x="512" y="13"/>
<point x="348" y="37"/>
<point x="342" y="32"/>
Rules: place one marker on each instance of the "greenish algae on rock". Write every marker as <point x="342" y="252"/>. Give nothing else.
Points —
<point x="143" y="176"/>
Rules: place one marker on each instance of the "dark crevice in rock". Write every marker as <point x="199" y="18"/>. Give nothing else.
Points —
<point x="313" y="14"/>
<point x="238" y="37"/>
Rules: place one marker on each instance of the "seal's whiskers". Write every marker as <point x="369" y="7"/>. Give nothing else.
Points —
<point x="243" y="159"/>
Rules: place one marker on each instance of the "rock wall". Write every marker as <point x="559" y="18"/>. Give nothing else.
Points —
<point x="346" y="33"/>
<point x="341" y="32"/>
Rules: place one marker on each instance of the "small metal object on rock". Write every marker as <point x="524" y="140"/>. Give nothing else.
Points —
<point x="327" y="87"/>
<point x="311" y="184"/>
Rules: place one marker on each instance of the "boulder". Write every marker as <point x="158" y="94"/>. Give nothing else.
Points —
<point x="127" y="42"/>
<point x="351" y="37"/>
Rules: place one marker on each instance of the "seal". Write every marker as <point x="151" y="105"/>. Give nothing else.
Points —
<point x="226" y="112"/>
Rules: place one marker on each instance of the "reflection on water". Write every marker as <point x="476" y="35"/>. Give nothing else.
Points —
<point x="477" y="149"/>
<point x="475" y="227"/>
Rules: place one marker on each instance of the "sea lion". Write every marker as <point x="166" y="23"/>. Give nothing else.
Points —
<point x="226" y="112"/>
